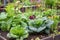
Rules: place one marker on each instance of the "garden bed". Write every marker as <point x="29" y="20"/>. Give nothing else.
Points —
<point x="31" y="36"/>
<point x="27" y="22"/>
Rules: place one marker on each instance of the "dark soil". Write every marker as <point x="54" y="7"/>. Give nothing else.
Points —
<point x="3" y="34"/>
<point x="33" y="36"/>
<point x="59" y="24"/>
<point x="57" y="37"/>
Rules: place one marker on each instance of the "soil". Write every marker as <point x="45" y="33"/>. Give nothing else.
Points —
<point x="34" y="36"/>
<point x="57" y="37"/>
<point x="3" y="34"/>
<point x="59" y="24"/>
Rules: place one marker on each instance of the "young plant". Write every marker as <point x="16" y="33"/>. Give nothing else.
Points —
<point x="10" y="9"/>
<point x="40" y="24"/>
<point x="49" y="12"/>
<point x="5" y="23"/>
<point x="18" y="32"/>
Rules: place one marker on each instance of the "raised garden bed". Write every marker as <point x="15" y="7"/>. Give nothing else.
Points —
<point x="29" y="22"/>
<point x="31" y="37"/>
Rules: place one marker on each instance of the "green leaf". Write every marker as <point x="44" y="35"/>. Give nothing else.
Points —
<point x="3" y="15"/>
<point x="33" y="28"/>
<point x="39" y="25"/>
<point x="11" y="35"/>
<point x="19" y="32"/>
<point x="41" y="29"/>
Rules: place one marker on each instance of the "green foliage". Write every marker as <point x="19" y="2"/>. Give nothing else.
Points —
<point x="27" y="2"/>
<point x="3" y="15"/>
<point x="18" y="32"/>
<point x="10" y="9"/>
<point x="51" y="3"/>
<point x="40" y="24"/>
<point x="49" y="12"/>
<point x="56" y="20"/>
<point x="19" y="24"/>
<point x="52" y="14"/>
<point x="5" y="25"/>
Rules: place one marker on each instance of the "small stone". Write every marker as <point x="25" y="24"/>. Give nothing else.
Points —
<point x="32" y="39"/>
<point x="37" y="38"/>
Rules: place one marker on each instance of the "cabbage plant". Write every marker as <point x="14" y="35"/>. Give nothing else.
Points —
<point x="40" y="24"/>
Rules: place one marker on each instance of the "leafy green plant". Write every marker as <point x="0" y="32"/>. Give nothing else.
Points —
<point x="18" y="32"/>
<point x="3" y="15"/>
<point x="19" y="24"/>
<point x="27" y="2"/>
<point x="52" y="14"/>
<point x="6" y="22"/>
<point x="49" y="12"/>
<point x="10" y="9"/>
<point x="40" y="24"/>
<point x="50" y="3"/>
<point x="56" y="20"/>
<point x="5" y="25"/>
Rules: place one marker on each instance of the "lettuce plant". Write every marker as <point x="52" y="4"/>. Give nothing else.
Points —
<point x="18" y="32"/>
<point x="3" y="15"/>
<point x="5" y="22"/>
<point x="10" y="10"/>
<point x="5" y="25"/>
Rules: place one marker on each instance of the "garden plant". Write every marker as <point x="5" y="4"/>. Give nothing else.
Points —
<point x="25" y="17"/>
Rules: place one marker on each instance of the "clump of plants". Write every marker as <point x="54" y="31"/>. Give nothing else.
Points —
<point x="50" y="3"/>
<point x="52" y="14"/>
<point x="19" y="24"/>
